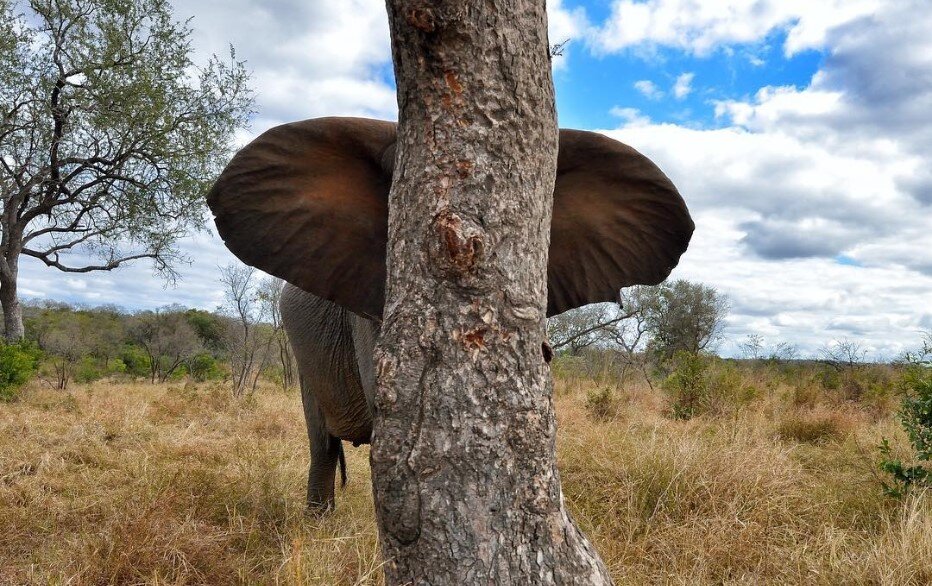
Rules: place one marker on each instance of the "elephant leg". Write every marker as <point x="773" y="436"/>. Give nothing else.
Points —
<point x="326" y="455"/>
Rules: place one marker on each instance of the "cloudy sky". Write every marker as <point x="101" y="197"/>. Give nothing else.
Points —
<point x="798" y="131"/>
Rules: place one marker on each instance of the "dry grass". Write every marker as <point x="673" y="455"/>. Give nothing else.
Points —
<point x="135" y="484"/>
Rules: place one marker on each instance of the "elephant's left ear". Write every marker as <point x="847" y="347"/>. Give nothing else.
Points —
<point x="617" y="221"/>
<point x="308" y="202"/>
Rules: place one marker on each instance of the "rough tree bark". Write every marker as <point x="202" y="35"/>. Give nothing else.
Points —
<point x="9" y="299"/>
<point x="463" y="452"/>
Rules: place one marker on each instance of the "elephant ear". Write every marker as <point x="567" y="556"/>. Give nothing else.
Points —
<point x="617" y="221"/>
<point x="308" y="202"/>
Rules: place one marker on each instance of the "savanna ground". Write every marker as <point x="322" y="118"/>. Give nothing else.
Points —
<point x="171" y="484"/>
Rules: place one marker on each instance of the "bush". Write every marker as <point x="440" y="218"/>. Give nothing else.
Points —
<point x="602" y="405"/>
<point x="915" y="415"/>
<point x="204" y="367"/>
<point x="687" y="385"/>
<point x="87" y="370"/>
<point x="18" y="363"/>
<point x="704" y="385"/>
<point x="136" y="360"/>
<point x="116" y="366"/>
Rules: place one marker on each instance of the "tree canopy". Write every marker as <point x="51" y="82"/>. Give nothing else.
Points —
<point x="110" y="135"/>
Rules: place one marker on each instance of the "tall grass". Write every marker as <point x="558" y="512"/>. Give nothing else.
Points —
<point x="132" y="484"/>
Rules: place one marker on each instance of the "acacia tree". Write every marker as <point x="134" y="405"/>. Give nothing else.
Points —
<point x="466" y="485"/>
<point x="109" y="135"/>
<point x="685" y="317"/>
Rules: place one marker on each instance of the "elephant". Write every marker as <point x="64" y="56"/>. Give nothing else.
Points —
<point x="308" y="202"/>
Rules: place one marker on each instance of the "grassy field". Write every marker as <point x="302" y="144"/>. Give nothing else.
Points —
<point x="134" y="483"/>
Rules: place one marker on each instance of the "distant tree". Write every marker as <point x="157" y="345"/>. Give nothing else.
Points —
<point x="167" y="338"/>
<point x="109" y="136"/>
<point x="658" y="320"/>
<point x="269" y="293"/>
<point x="632" y="334"/>
<point x="685" y="317"/>
<point x="782" y="352"/>
<point x="845" y="358"/>
<point x="66" y="342"/>
<point x="843" y="354"/>
<point x="752" y="346"/>
<point x="105" y="332"/>
<point x="248" y="339"/>
<point x="210" y="328"/>
<point x="583" y="327"/>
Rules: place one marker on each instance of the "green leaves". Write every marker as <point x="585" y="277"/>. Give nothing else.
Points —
<point x="18" y="363"/>
<point x="112" y="144"/>
<point x="915" y="415"/>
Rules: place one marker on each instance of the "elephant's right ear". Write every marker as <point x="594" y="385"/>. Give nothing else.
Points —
<point x="308" y="202"/>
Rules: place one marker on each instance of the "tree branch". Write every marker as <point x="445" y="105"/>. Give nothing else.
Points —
<point x="51" y="258"/>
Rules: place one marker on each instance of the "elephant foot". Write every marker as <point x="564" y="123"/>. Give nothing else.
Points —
<point x="319" y="508"/>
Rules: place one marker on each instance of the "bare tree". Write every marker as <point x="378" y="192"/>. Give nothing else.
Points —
<point x="248" y="339"/>
<point x="782" y="352"/>
<point x="752" y="346"/>
<point x="106" y="144"/>
<point x="269" y="293"/>
<point x="846" y="359"/>
<point x="66" y="343"/>
<point x="167" y="338"/>
<point x="843" y="354"/>
<point x="632" y="335"/>
<point x="584" y="327"/>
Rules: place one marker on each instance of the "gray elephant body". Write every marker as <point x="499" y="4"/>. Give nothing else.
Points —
<point x="334" y="349"/>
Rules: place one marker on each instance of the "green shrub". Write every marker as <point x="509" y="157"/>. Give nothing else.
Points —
<point x="915" y="415"/>
<point x="704" y="385"/>
<point x="687" y="385"/>
<point x="116" y="366"/>
<point x="204" y="367"/>
<point x="136" y="360"/>
<point x="18" y="363"/>
<point x="87" y="370"/>
<point x="602" y="404"/>
<point x="830" y="379"/>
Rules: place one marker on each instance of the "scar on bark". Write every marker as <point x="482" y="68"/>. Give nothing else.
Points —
<point x="464" y="168"/>
<point x="475" y="339"/>
<point x="454" y="95"/>
<point x="462" y="252"/>
<point x="422" y="19"/>
<point x="547" y="351"/>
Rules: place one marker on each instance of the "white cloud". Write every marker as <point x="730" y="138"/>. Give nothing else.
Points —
<point x="795" y="178"/>
<point x="700" y="27"/>
<point x="683" y="86"/>
<point x="308" y="58"/>
<point x="649" y="89"/>
<point x="800" y="177"/>
<point x="631" y="116"/>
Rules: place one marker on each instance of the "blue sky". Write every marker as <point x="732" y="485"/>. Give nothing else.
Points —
<point x="594" y="84"/>
<point x="798" y="131"/>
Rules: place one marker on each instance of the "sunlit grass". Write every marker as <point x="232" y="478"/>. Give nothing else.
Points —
<point x="138" y="484"/>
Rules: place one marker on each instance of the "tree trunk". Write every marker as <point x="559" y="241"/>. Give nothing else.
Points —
<point x="463" y="451"/>
<point x="9" y="300"/>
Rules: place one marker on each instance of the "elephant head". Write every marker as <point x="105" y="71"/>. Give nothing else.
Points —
<point x="308" y="202"/>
